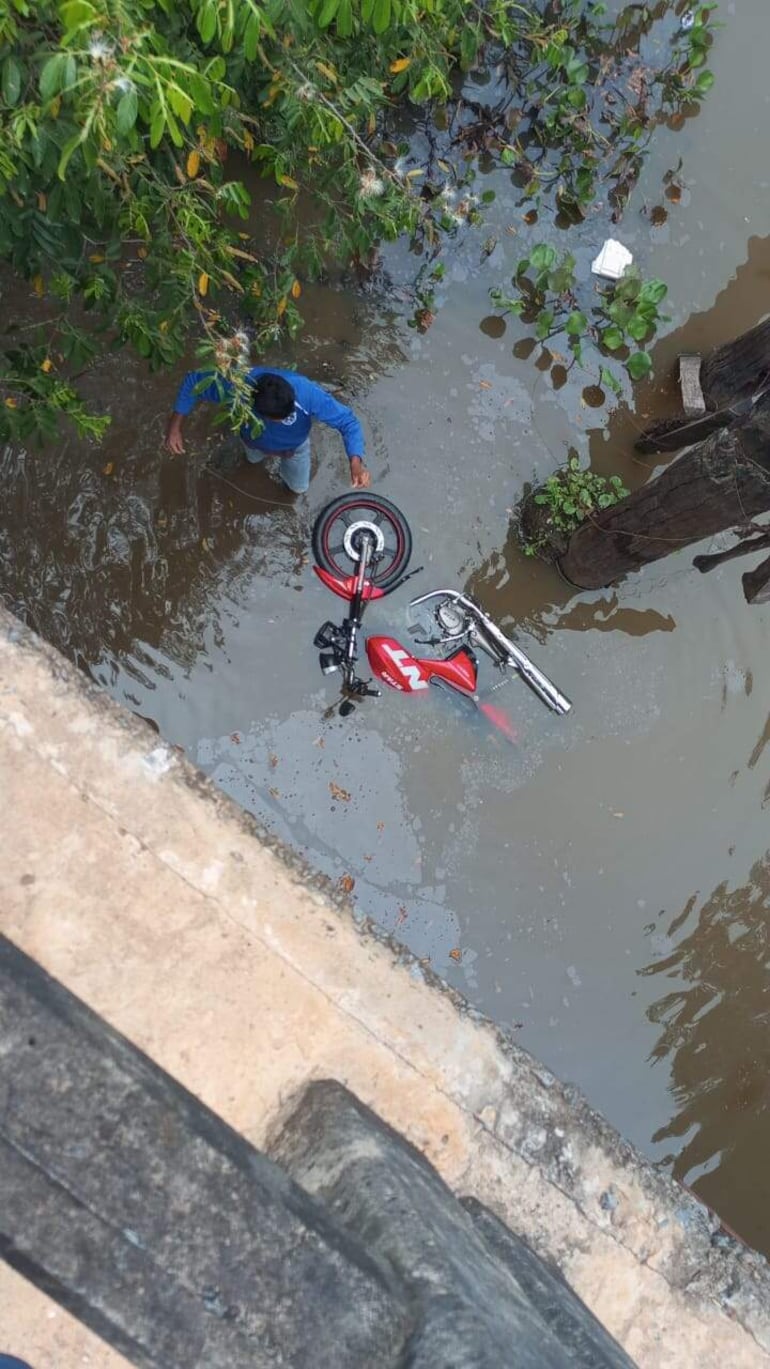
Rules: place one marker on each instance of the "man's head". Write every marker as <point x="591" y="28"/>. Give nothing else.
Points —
<point x="273" y="397"/>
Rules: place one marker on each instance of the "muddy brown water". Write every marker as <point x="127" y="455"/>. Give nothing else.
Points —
<point x="607" y="880"/>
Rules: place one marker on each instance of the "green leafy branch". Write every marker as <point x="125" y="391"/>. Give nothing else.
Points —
<point x="565" y="500"/>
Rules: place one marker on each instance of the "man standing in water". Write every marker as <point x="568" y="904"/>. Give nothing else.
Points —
<point x="286" y="405"/>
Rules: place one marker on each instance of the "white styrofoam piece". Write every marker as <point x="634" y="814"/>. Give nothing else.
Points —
<point x="612" y="260"/>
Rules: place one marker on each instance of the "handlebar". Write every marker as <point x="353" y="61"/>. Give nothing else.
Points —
<point x="504" y="650"/>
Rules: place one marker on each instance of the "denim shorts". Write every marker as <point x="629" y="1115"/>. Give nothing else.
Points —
<point x="294" y="467"/>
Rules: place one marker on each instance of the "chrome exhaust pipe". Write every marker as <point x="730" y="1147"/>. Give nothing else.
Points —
<point x="504" y="650"/>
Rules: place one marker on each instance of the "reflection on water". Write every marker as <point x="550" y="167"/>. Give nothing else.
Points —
<point x="714" y="1035"/>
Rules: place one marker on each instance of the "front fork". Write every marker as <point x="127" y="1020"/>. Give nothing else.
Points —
<point x="343" y="641"/>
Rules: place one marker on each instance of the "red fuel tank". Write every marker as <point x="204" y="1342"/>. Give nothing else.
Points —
<point x="397" y="667"/>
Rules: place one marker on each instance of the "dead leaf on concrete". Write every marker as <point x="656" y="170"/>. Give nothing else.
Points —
<point x="347" y="883"/>
<point x="337" y="792"/>
<point x="272" y="760"/>
<point x="455" y="953"/>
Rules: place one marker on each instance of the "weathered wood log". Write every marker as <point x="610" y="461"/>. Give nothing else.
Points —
<point x="709" y="562"/>
<point x="738" y="368"/>
<point x="730" y="377"/>
<point x="756" y="583"/>
<point x="724" y="482"/>
<point x="672" y="436"/>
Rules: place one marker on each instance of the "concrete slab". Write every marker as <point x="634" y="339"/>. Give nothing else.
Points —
<point x="215" y="951"/>
<point x="35" y="1328"/>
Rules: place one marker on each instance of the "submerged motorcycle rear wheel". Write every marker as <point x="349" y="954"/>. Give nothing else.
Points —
<point x="334" y="537"/>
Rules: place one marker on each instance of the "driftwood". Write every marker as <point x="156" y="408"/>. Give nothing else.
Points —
<point x="738" y="368"/>
<point x="756" y="583"/>
<point x="745" y="548"/>
<point x="731" y="377"/>
<point x="672" y="436"/>
<point x="721" y="482"/>
<point x="718" y="485"/>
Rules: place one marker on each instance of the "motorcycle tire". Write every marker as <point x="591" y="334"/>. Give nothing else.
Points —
<point x="338" y="517"/>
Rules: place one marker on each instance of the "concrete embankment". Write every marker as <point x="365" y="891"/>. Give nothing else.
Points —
<point x="163" y="909"/>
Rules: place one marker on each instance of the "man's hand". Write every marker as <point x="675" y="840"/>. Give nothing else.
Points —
<point x="360" y="477"/>
<point x="174" y="442"/>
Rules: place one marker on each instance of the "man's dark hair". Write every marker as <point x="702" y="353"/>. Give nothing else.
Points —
<point x="273" y="397"/>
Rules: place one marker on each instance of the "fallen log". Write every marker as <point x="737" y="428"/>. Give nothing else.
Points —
<point x="710" y="561"/>
<point x="756" y="583"/>
<point x="721" y="483"/>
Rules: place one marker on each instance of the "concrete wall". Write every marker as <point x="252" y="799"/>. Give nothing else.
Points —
<point x="162" y="907"/>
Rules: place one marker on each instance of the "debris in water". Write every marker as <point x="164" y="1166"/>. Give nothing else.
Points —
<point x="612" y="260"/>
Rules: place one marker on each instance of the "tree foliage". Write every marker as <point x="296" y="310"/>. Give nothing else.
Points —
<point x="128" y="129"/>
<point x="135" y="134"/>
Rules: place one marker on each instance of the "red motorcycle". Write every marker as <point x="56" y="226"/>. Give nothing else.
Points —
<point x="362" y="545"/>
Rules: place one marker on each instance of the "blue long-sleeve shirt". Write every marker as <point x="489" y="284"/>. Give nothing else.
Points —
<point x="278" y="434"/>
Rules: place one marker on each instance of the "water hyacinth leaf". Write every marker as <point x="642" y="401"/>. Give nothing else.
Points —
<point x="577" y="324"/>
<point x="619" y="312"/>
<point x="639" y="365"/>
<point x="638" y="327"/>
<point x="704" y="82"/>
<point x="542" y="257"/>
<point x="612" y="339"/>
<point x="611" y="381"/>
<point x="653" y="291"/>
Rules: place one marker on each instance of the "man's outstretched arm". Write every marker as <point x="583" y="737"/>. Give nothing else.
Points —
<point x="195" y="386"/>
<point x="329" y="410"/>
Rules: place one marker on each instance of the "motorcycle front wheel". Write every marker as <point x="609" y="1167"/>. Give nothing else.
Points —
<point x="337" y="531"/>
